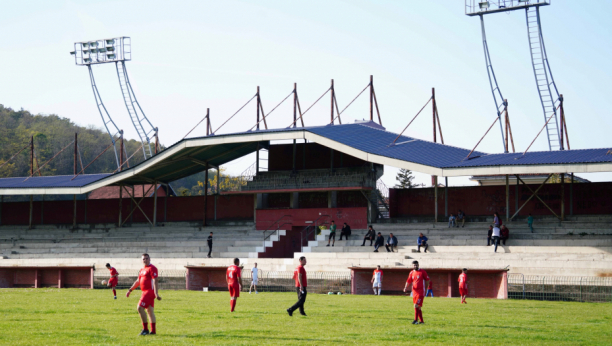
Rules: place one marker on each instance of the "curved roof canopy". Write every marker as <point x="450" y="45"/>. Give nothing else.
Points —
<point x="367" y="141"/>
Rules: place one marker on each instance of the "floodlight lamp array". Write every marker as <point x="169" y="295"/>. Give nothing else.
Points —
<point x="102" y="51"/>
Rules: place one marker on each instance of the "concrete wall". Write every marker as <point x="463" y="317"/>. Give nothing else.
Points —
<point x="357" y="218"/>
<point x="588" y="199"/>
<point x="211" y="277"/>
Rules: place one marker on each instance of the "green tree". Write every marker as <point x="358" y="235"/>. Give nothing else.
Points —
<point x="404" y="178"/>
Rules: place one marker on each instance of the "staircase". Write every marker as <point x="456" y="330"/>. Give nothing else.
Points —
<point x="130" y="100"/>
<point x="549" y="95"/>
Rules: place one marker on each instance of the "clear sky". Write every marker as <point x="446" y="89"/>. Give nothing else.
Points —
<point x="192" y="55"/>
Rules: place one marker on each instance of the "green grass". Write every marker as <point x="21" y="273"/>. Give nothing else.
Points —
<point x="92" y="317"/>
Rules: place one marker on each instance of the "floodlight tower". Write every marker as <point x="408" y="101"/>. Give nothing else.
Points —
<point x="116" y="50"/>
<point x="547" y="89"/>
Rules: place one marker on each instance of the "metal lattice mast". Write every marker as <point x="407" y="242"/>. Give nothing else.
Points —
<point x="547" y="89"/>
<point x="143" y="126"/>
<point x="498" y="99"/>
<point x="106" y="118"/>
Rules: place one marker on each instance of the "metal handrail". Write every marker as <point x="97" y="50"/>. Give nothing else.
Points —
<point x="267" y="229"/>
<point x="315" y="225"/>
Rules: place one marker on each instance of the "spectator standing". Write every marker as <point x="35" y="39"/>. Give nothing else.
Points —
<point x="496" y="233"/>
<point x="332" y="233"/>
<point x="377" y="280"/>
<point x="346" y="231"/>
<point x="496" y="220"/>
<point x="380" y="241"/>
<point x="430" y="289"/>
<point x="451" y="221"/>
<point x="504" y="234"/>
<point x="391" y="242"/>
<point x="461" y="218"/>
<point x="530" y="222"/>
<point x="209" y="240"/>
<point x="371" y="235"/>
<point x="489" y="235"/>
<point x="422" y="241"/>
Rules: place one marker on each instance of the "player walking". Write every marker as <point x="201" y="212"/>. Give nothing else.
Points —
<point x="254" y="276"/>
<point x="463" y="286"/>
<point x="299" y="275"/>
<point x="234" y="282"/>
<point x="147" y="280"/>
<point x="112" y="282"/>
<point x="377" y="280"/>
<point x="419" y="280"/>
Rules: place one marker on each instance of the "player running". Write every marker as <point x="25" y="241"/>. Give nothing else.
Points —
<point x="419" y="280"/>
<point x="147" y="280"/>
<point x="234" y="282"/>
<point x="112" y="282"/>
<point x="254" y="276"/>
<point x="377" y="280"/>
<point x="463" y="287"/>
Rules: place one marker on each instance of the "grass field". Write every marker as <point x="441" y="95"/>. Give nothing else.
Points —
<point x="92" y="317"/>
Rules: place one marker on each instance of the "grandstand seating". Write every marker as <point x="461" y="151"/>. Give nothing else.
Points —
<point x="576" y="248"/>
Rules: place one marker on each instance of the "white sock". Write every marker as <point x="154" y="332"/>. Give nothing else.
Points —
<point x="379" y="291"/>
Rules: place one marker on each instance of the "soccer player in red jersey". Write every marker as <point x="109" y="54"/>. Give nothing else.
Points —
<point x="234" y="282"/>
<point x="299" y="275"/>
<point x="112" y="282"/>
<point x="419" y="280"/>
<point x="147" y="280"/>
<point x="463" y="287"/>
<point x="377" y="280"/>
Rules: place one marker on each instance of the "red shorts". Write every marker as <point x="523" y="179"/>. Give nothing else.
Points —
<point x="463" y="291"/>
<point x="147" y="299"/>
<point x="234" y="290"/>
<point x="417" y="299"/>
<point x="113" y="282"/>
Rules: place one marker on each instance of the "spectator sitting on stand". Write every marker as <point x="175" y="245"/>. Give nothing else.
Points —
<point x="530" y="222"/>
<point x="504" y="234"/>
<point x="346" y="231"/>
<point x="369" y="236"/>
<point x="422" y="241"/>
<point x="451" y="221"/>
<point x="380" y="241"/>
<point x="461" y="218"/>
<point x="391" y="242"/>
<point x="489" y="235"/>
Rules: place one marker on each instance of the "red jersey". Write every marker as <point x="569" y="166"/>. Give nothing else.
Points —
<point x="430" y="286"/>
<point x="146" y="276"/>
<point x="233" y="275"/>
<point x="378" y="275"/>
<point x="300" y="270"/>
<point x="113" y="271"/>
<point x="462" y="280"/>
<point x="416" y="278"/>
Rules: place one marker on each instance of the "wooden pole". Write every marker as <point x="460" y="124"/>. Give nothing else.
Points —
<point x="435" y="198"/>
<point x="332" y="101"/>
<point x="120" y="204"/>
<point x="507" y="195"/>
<point x="155" y="204"/>
<point x="562" y="196"/>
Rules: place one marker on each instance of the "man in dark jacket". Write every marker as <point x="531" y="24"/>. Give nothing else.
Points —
<point x="422" y="241"/>
<point x="346" y="231"/>
<point x="489" y="234"/>
<point x="505" y="234"/>
<point x="391" y="242"/>
<point x="209" y="240"/>
<point x="380" y="241"/>
<point x="369" y="236"/>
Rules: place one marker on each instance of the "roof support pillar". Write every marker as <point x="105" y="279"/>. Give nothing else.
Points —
<point x="155" y="204"/>
<point x="294" y="152"/>
<point x="206" y="187"/>
<point x="445" y="196"/>
<point x="533" y="194"/>
<point x="166" y="203"/>
<point x="507" y="198"/>
<point x="120" y="204"/>
<point x="435" y="178"/>
<point x="571" y="199"/>
<point x="516" y="194"/>
<point x="31" y="211"/>
<point x="74" y="212"/>
<point x="42" y="209"/>
<point x="562" y="196"/>
<point x="1" y="203"/>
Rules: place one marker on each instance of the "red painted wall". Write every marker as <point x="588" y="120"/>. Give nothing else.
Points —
<point x="317" y="157"/>
<point x="229" y="207"/>
<point x="481" y="284"/>
<point x="72" y="277"/>
<point x="588" y="199"/>
<point x="357" y="218"/>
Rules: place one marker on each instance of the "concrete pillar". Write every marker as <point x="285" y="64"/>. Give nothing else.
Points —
<point x="154" y="204"/>
<point x="295" y="198"/>
<point x="571" y="206"/>
<point x="36" y="278"/>
<point x="332" y="199"/>
<point x="562" y="197"/>
<point x="59" y="278"/>
<point x="507" y="198"/>
<point x="435" y="179"/>
<point x="445" y="196"/>
<point x="450" y="285"/>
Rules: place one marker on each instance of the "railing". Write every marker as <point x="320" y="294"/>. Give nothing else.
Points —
<point x="304" y="237"/>
<point x="271" y="225"/>
<point x="562" y="288"/>
<point x="310" y="179"/>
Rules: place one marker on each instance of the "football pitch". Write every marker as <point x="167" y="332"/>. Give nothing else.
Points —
<point x="92" y="317"/>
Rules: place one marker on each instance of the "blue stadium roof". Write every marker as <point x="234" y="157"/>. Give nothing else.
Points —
<point x="538" y="158"/>
<point x="51" y="181"/>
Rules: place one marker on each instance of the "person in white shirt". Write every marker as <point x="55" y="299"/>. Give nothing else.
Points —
<point x="254" y="275"/>
<point x="377" y="280"/>
<point x="495" y="235"/>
